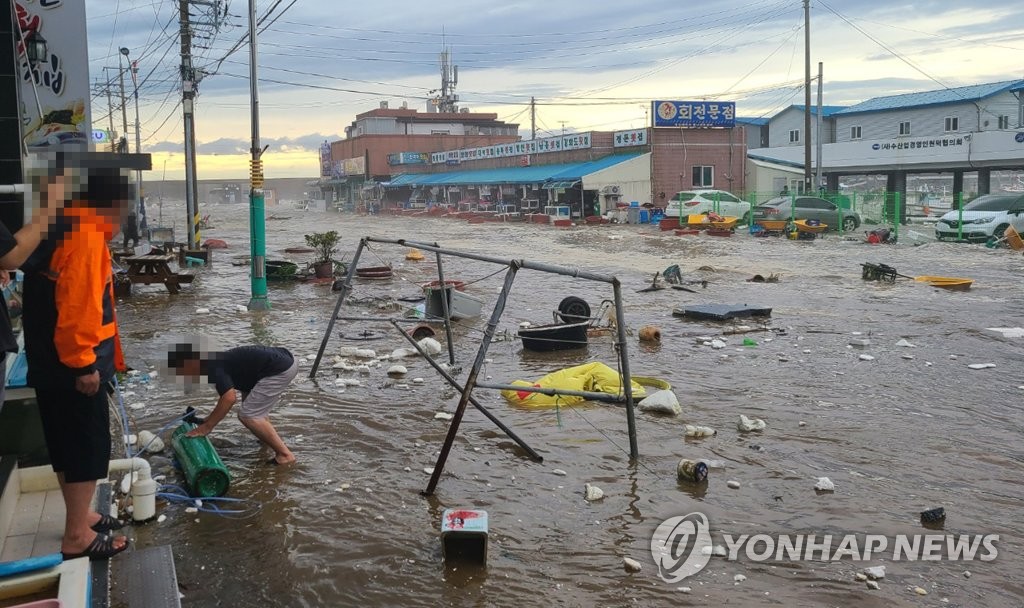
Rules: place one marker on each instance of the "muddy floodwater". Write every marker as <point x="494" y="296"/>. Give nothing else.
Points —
<point x="910" y="430"/>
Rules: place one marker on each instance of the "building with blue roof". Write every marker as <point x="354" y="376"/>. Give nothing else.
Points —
<point x="970" y="129"/>
<point x="959" y="110"/>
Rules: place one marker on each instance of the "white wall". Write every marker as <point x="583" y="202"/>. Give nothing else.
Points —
<point x="419" y="128"/>
<point x="930" y="121"/>
<point x="633" y="177"/>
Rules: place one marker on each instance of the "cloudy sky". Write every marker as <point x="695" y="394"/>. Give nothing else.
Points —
<point x="590" y="64"/>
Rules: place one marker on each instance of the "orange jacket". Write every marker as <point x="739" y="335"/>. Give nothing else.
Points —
<point x="72" y="326"/>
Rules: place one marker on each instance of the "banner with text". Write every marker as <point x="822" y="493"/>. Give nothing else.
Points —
<point x="633" y="137"/>
<point x="60" y="79"/>
<point x="576" y="141"/>
<point x="694" y="113"/>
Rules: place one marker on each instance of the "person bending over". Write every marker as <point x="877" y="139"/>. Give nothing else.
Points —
<point x="259" y="373"/>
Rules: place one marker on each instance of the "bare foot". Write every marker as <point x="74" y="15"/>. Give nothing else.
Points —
<point x="78" y="544"/>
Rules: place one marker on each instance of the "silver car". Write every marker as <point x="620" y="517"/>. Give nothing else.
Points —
<point x="806" y="208"/>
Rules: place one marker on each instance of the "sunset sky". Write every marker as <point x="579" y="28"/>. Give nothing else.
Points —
<point x="590" y="65"/>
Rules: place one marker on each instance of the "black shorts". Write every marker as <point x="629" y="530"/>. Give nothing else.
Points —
<point x="77" y="431"/>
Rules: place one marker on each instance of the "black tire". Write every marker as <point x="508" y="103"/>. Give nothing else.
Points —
<point x="850" y="224"/>
<point x="1000" y="231"/>
<point x="573" y="310"/>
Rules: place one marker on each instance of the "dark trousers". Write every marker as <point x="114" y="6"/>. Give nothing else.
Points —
<point x="77" y="431"/>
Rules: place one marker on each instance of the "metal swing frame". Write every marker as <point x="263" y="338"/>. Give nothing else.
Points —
<point x="472" y="382"/>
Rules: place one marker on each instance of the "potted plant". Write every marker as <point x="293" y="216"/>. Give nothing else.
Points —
<point x="326" y="245"/>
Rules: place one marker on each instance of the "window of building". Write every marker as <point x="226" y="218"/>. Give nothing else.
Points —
<point x="703" y="176"/>
<point x="905" y="127"/>
<point x="794" y="136"/>
<point x="1004" y="122"/>
<point x="855" y="132"/>
<point x="952" y="124"/>
<point x="440" y="132"/>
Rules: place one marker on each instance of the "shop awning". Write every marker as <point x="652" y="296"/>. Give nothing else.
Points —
<point x="568" y="173"/>
<point x="561" y="185"/>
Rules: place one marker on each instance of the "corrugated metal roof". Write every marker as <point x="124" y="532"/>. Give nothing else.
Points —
<point x="537" y="174"/>
<point x="760" y="122"/>
<point x="934" y="98"/>
<point x="826" y="111"/>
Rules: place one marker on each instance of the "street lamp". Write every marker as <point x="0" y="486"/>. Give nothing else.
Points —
<point x="139" y="209"/>
<point x="35" y="47"/>
<point x="124" y="109"/>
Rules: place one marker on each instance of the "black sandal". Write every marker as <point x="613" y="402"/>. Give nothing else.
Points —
<point x="107" y="524"/>
<point x="101" y="547"/>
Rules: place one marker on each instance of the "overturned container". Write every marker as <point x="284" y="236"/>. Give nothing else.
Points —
<point x="204" y="471"/>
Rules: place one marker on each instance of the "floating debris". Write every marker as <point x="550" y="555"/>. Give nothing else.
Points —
<point x="592" y="493"/>
<point x="698" y="432"/>
<point x="631" y="565"/>
<point x="739" y="578"/>
<point x="866" y="358"/>
<point x="691" y="471"/>
<point x="650" y="333"/>
<point x="732" y="483"/>
<point x="824" y="484"/>
<point x="747" y="425"/>
<point x="430" y="346"/>
<point x="981" y="365"/>
<point x="443" y="416"/>
<point x="397" y="370"/>
<point x="661" y="402"/>
<point x="905" y="344"/>
<point x="875" y="572"/>
<point x="559" y="472"/>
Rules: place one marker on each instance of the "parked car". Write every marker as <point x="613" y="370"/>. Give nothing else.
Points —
<point x="695" y="202"/>
<point x="806" y="208"/>
<point x="983" y="218"/>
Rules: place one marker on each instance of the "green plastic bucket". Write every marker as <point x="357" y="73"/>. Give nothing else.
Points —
<point x="204" y="471"/>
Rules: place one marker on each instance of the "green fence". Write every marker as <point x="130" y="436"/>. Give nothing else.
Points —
<point x="872" y="210"/>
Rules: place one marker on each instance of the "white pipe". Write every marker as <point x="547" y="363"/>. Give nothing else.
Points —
<point x="143" y="489"/>
<point x="13" y="189"/>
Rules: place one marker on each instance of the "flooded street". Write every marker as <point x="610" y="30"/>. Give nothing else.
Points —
<point x="896" y="435"/>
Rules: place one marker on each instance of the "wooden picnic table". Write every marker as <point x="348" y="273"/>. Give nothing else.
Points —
<point x="155" y="268"/>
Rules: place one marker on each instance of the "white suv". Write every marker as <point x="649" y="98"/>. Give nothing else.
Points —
<point x="985" y="217"/>
<point x="696" y="202"/>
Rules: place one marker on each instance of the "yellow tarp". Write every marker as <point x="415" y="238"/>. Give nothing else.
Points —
<point x="593" y="377"/>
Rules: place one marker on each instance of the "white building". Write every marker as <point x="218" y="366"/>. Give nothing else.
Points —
<point x="977" y="128"/>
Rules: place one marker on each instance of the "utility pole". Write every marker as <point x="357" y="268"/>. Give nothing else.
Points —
<point x="807" y="96"/>
<point x="257" y="221"/>
<point x="817" y="176"/>
<point x="533" y="118"/>
<point x="124" y="109"/>
<point x="110" y="115"/>
<point x="139" y="210"/>
<point x="187" y="103"/>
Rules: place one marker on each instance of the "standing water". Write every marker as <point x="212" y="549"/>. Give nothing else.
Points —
<point x="909" y="430"/>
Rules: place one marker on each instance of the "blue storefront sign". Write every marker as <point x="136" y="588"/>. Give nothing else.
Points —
<point x="694" y="113"/>
<point x="408" y="158"/>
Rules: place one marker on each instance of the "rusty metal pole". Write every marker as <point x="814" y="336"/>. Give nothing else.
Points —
<point x="346" y="289"/>
<point x="627" y="378"/>
<point x="485" y="343"/>
<point x="445" y="309"/>
<point x="455" y="384"/>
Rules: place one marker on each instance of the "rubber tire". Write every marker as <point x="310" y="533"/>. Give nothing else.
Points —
<point x="573" y="310"/>
<point x="849" y="224"/>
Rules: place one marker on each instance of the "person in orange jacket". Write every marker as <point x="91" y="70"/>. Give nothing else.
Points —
<point x="73" y="350"/>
